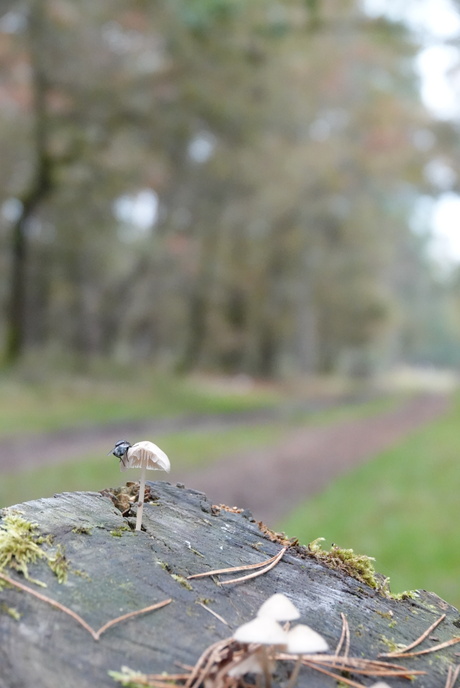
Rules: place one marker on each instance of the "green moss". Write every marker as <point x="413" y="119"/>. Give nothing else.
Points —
<point x="82" y="530"/>
<point x="11" y="611"/>
<point x="82" y="574"/>
<point x="390" y="644"/>
<point x="21" y="544"/>
<point x="195" y="551"/>
<point x="119" y="531"/>
<point x="183" y="581"/>
<point x="165" y="566"/>
<point x="358" y="566"/>
<point x="204" y="600"/>
<point x="359" y="630"/>
<point x="59" y="564"/>
<point x="128" y="677"/>
<point x="406" y="595"/>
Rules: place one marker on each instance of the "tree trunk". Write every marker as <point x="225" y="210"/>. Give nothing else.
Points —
<point x="39" y="187"/>
<point x="196" y="327"/>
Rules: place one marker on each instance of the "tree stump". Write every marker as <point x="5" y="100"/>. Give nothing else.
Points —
<point x="114" y="570"/>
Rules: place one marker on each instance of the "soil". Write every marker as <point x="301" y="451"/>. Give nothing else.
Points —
<point x="269" y="481"/>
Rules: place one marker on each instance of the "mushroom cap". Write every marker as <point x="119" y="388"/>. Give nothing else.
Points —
<point x="146" y="454"/>
<point x="278" y="608"/>
<point x="249" y="665"/>
<point x="263" y="631"/>
<point x="302" y="639"/>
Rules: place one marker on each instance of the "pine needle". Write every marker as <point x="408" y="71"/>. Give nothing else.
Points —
<point x="130" y="615"/>
<point x="234" y="569"/>
<point x="344" y="637"/>
<point x="211" y="611"/>
<point x="435" y="648"/>
<point x="425" y="634"/>
<point x="338" y="677"/>
<point x="358" y="665"/>
<point x="51" y="602"/>
<point x="273" y="563"/>
<point x="95" y="634"/>
<point x="452" y="676"/>
<point x="207" y="659"/>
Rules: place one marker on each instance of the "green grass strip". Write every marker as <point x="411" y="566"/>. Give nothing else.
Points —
<point x="187" y="450"/>
<point x="69" y="402"/>
<point x="401" y="508"/>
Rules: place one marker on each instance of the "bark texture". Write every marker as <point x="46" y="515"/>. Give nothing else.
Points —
<point x="114" y="570"/>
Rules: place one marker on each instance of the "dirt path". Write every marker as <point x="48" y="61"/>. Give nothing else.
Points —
<point x="32" y="450"/>
<point x="269" y="482"/>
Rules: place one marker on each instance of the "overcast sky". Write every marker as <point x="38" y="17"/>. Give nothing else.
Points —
<point x="434" y="21"/>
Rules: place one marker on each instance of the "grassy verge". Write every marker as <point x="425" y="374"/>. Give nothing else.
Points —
<point x="69" y="402"/>
<point x="96" y="471"/>
<point x="187" y="450"/>
<point x="401" y="508"/>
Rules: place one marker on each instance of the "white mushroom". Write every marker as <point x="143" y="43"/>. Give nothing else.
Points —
<point x="262" y="631"/>
<point x="251" y="664"/>
<point x="144" y="455"/>
<point x="302" y="640"/>
<point x="279" y="608"/>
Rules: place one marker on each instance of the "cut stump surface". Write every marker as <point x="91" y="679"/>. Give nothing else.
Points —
<point x="114" y="571"/>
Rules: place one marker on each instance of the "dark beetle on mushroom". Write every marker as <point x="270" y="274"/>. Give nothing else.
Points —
<point x="120" y="450"/>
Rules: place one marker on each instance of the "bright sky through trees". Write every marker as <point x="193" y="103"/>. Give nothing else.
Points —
<point x="435" y="21"/>
<point x="227" y="191"/>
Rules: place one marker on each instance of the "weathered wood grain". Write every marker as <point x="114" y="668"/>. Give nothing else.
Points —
<point x="115" y="571"/>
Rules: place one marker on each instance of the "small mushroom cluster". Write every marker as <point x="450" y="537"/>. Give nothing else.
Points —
<point x="266" y="636"/>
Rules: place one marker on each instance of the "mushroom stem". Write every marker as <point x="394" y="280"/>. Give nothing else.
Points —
<point x="265" y="661"/>
<point x="140" y="507"/>
<point x="295" y="673"/>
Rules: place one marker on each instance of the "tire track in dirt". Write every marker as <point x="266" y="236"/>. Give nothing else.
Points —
<point x="271" y="481"/>
<point x="19" y="452"/>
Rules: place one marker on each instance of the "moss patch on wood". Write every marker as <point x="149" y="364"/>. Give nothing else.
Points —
<point x="21" y="544"/>
<point x="358" y="566"/>
<point x="11" y="611"/>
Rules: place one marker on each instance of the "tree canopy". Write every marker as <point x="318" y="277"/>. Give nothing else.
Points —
<point x="215" y="184"/>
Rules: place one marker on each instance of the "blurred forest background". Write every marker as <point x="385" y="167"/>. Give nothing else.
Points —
<point x="200" y="191"/>
<point x="220" y="184"/>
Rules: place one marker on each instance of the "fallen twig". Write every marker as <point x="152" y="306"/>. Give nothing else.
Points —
<point x="273" y="563"/>
<point x="344" y="637"/>
<point x="160" y="680"/>
<point x="207" y="659"/>
<point x="234" y="569"/>
<point x="366" y="667"/>
<point x="425" y="634"/>
<point x="214" y="664"/>
<point x="95" y="634"/>
<point x="452" y="676"/>
<point x="338" y="677"/>
<point x="357" y="665"/>
<point x="435" y="648"/>
<point x="53" y="603"/>
<point x="130" y="615"/>
<point x="211" y="611"/>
